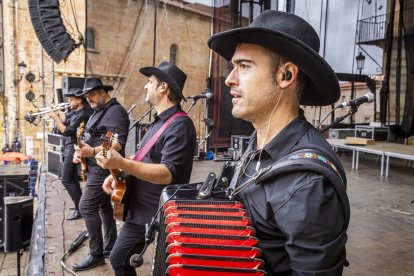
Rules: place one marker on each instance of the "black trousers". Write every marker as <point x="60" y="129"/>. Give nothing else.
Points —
<point x="130" y="241"/>
<point x="96" y="209"/>
<point x="70" y="178"/>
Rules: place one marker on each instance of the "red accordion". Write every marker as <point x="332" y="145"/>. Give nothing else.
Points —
<point x="205" y="237"/>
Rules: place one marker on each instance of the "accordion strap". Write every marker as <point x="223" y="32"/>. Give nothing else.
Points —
<point x="306" y="159"/>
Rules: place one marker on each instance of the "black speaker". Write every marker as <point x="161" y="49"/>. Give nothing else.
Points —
<point x="49" y="28"/>
<point x="18" y="222"/>
<point x="55" y="140"/>
<point x="54" y="162"/>
<point x="71" y="82"/>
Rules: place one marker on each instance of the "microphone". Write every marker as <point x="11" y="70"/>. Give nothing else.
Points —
<point x="136" y="260"/>
<point x="207" y="95"/>
<point x="367" y="98"/>
<point x="131" y="108"/>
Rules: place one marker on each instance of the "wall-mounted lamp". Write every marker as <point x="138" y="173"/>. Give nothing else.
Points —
<point x="360" y="59"/>
<point x="22" y="68"/>
<point x="30" y="77"/>
<point x="30" y="96"/>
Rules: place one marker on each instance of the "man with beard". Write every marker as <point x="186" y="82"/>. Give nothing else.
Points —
<point x="95" y="205"/>
<point x="169" y="161"/>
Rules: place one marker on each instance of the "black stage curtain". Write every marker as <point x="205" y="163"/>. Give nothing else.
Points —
<point x="227" y="15"/>
<point x="408" y="118"/>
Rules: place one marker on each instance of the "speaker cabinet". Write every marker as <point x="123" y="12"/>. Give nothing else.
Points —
<point x="18" y="222"/>
<point x="71" y="82"/>
<point x="49" y="28"/>
<point x="55" y="140"/>
<point x="14" y="181"/>
<point x="54" y="162"/>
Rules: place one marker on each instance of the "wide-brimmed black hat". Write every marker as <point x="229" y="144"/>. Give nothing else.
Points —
<point x="293" y="38"/>
<point x="73" y="92"/>
<point x="93" y="83"/>
<point x="169" y="73"/>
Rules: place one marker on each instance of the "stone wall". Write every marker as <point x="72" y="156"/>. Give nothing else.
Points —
<point x="124" y="42"/>
<point x="19" y="32"/>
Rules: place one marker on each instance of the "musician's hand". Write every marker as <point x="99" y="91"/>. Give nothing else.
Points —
<point x="84" y="150"/>
<point x="53" y="115"/>
<point x="112" y="160"/>
<point x="108" y="185"/>
<point x="76" y="158"/>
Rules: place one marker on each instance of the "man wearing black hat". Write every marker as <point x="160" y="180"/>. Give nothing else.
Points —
<point x="95" y="205"/>
<point x="168" y="161"/>
<point x="300" y="217"/>
<point x="68" y="126"/>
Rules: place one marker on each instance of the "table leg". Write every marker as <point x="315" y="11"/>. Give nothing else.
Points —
<point x="353" y="159"/>
<point x="387" y="166"/>
<point x="357" y="160"/>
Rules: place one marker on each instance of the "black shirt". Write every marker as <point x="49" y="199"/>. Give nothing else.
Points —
<point x="298" y="217"/>
<point x="175" y="150"/>
<point x="111" y="117"/>
<point x="72" y="122"/>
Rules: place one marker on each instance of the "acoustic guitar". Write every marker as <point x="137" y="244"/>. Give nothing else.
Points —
<point x="118" y="197"/>
<point x="79" y="136"/>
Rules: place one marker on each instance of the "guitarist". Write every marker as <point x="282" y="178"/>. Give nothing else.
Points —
<point x="68" y="125"/>
<point x="169" y="161"/>
<point x="95" y="205"/>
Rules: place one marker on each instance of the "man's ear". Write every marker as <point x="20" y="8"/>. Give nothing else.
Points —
<point x="163" y="87"/>
<point x="287" y="74"/>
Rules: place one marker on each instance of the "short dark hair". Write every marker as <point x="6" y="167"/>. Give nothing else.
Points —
<point x="277" y="61"/>
<point x="172" y="96"/>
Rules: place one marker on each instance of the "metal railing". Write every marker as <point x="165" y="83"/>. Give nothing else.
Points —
<point x="374" y="28"/>
<point x="371" y="29"/>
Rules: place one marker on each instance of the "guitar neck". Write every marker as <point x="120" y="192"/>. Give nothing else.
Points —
<point x="79" y="143"/>
<point x="115" y="174"/>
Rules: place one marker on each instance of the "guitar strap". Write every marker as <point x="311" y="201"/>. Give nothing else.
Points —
<point x="91" y="129"/>
<point x="148" y="146"/>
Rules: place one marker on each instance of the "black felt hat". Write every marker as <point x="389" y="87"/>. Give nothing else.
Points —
<point x="169" y="73"/>
<point x="73" y="92"/>
<point x="93" y="83"/>
<point x="293" y="38"/>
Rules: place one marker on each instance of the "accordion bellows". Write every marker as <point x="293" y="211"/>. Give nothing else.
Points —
<point x="206" y="237"/>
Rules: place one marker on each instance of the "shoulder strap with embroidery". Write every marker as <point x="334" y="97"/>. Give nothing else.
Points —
<point x="305" y="159"/>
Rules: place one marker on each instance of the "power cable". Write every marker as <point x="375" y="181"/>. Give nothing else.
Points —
<point x="75" y="17"/>
<point x="131" y="45"/>
<point x="73" y="247"/>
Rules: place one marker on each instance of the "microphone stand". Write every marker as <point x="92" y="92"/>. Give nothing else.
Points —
<point x="192" y="104"/>
<point x="352" y="111"/>
<point x="140" y="119"/>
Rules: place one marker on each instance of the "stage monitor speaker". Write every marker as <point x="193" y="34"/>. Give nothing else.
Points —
<point x="49" y="28"/>
<point x="71" y="82"/>
<point x="55" y="140"/>
<point x="54" y="162"/>
<point x="18" y="222"/>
